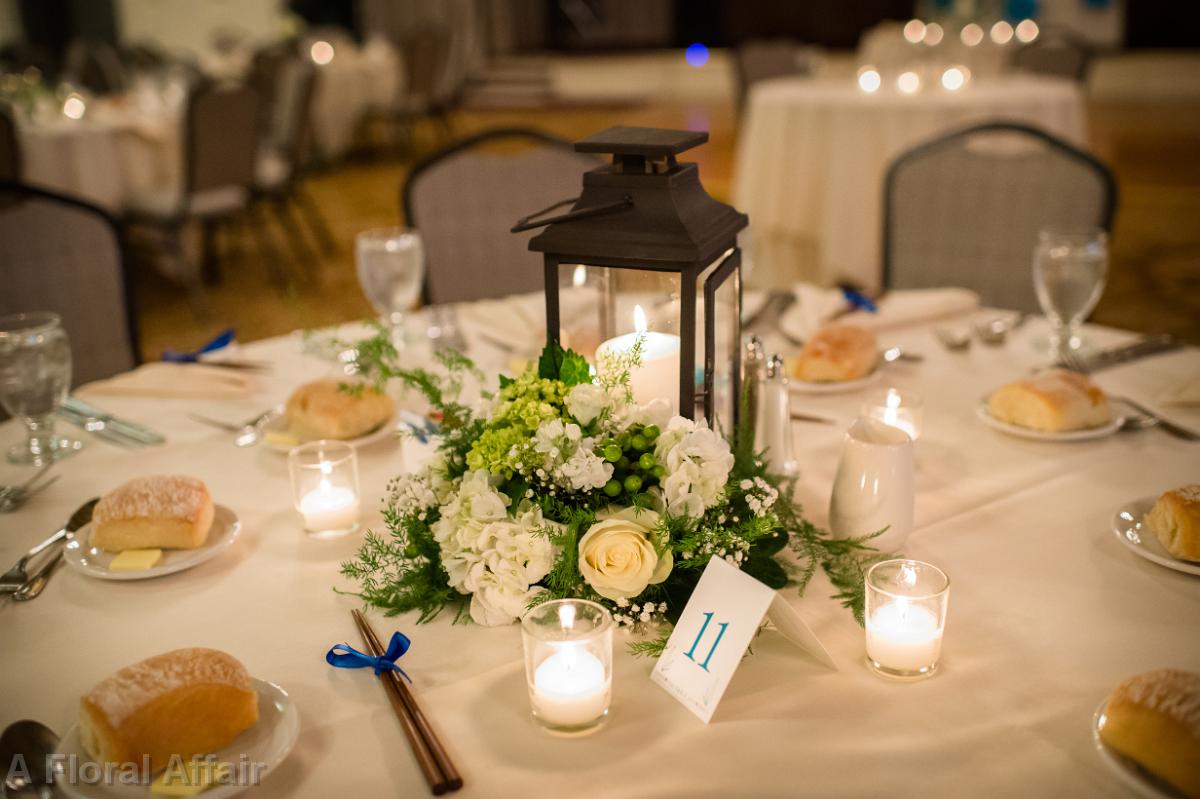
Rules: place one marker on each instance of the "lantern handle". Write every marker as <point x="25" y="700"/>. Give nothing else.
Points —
<point x="524" y="222"/>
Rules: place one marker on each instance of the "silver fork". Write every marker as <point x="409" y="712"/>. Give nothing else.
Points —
<point x="1158" y="421"/>
<point x="18" y="493"/>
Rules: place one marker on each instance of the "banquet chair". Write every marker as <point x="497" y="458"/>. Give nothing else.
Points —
<point x="60" y="254"/>
<point x="425" y="65"/>
<point x="94" y="65"/>
<point x="464" y="198"/>
<point x="1054" y="53"/>
<point x="10" y="145"/>
<point x="220" y="145"/>
<point x="763" y="59"/>
<point x="282" y="154"/>
<point x="965" y="209"/>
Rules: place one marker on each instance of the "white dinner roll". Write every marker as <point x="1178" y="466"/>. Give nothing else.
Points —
<point x="160" y="512"/>
<point x="1154" y="718"/>
<point x="1054" y="401"/>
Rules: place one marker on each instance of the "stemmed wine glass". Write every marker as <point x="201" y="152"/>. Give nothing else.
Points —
<point x="1069" y="270"/>
<point x="35" y="376"/>
<point x="391" y="266"/>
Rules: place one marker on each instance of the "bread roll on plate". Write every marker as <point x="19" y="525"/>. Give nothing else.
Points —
<point x="321" y="409"/>
<point x="1175" y="519"/>
<point x="837" y="353"/>
<point x="161" y="512"/>
<point x="1154" y="718"/>
<point x="1053" y="401"/>
<point x="187" y="702"/>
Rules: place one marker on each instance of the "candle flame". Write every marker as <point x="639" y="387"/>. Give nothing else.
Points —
<point x="639" y="319"/>
<point x="893" y="398"/>
<point x="579" y="277"/>
<point x="566" y="616"/>
<point x="324" y="486"/>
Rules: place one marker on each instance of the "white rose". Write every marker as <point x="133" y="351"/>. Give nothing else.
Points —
<point x="617" y="556"/>
<point x="586" y="401"/>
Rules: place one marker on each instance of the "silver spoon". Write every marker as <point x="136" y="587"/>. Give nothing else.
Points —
<point x="32" y="742"/>
<point x="37" y="583"/>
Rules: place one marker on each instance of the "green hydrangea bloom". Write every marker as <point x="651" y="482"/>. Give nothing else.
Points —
<point x="520" y="408"/>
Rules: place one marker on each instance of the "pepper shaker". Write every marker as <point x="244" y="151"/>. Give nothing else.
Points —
<point x="773" y="420"/>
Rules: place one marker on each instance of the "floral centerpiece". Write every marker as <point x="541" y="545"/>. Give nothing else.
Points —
<point x="560" y="485"/>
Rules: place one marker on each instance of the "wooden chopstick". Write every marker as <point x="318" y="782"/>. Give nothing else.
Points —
<point x="431" y="756"/>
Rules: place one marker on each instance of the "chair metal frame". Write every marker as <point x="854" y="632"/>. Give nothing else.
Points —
<point x="530" y="135"/>
<point x="1087" y="159"/>
<point x="23" y="190"/>
<point x="8" y="129"/>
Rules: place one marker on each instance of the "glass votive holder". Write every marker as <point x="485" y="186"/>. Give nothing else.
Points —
<point x="905" y="617"/>
<point x="568" y="664"/>
<point x="325" y="487"/>
<point x="902" y="409"/>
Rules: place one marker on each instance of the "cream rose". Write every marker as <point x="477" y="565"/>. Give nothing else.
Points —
<point x="617" y="556"/>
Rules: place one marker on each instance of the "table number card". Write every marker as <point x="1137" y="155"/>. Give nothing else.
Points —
<point x="714" y="630"/>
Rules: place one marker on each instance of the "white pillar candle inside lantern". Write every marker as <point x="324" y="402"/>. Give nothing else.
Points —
<point x="657" y="375"/>
<point x="325" y="487"/>
<point x="568" y="664"/>
<point x="900" y="409"/>
<point x="906" y="604"/>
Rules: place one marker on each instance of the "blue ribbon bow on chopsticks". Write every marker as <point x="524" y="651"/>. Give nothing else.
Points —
<point x="859" y="300"/>
<point x="344" y="656"/>
<point x="222" y="340"/>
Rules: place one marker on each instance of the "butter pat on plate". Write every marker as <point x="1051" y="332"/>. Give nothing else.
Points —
<point x="192" y="777"/>
<point x="135" y="560"/>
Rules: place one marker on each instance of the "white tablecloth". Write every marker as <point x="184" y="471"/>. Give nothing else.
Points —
<point x="812" y="155"/>
<point x="1048" y="612"/>
<point x="106" y="158"/>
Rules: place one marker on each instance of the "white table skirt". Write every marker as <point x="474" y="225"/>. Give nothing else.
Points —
<point x="1048" y="612"/>
<point x="812" y="155"/>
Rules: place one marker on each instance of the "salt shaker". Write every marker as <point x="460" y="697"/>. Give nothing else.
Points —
<point x="754" y="373"/>
<point x="773" y="420"/>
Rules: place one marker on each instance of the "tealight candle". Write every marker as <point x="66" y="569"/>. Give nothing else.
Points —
<point x="568" y="664"/>
<point x="906" y="604"/>
<point x="657" y="375"/>
<point x="325" y="487"/>
<point x="900" y="409"/>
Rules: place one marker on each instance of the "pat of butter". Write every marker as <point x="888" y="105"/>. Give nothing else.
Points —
<point x="280" y="439"/>
<point x="135" y="560"/>
<point x="189" y="778"/>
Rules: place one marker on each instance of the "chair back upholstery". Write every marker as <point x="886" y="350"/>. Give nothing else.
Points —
<point x="266" y="66"/>
<point x="291" y="117"/>
<point x="1056" y="54"/>
<point x="221" y="137"/>
<point x="425" y="56"/>
<point x="464" y="199"/>
<point x="95" y="65"/>
<point x="965" y="209"/>
<point x="62" y="255"/>
<point x="10" y="146"/>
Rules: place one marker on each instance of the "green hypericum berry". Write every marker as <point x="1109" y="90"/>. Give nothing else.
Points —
<point x="623" y="440"/>
<point x="650" y="431"/>
<point x="633" y="483"/>
<point x="623" y="463"/>
<point x="639" y="442"/>
<point x="659" y="471"/>
<point x="612" y="453"/>
<point x="612" y="488"/>
<point x="647" y="462"/>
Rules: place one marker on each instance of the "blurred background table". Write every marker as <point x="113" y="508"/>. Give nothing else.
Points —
<point x="812" y="155"/>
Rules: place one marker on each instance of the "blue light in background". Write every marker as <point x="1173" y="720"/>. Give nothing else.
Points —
<point x="696" y="55"/>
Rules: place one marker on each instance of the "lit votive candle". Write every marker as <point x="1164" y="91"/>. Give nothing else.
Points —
<point x="568" y="664"/>
<point x="900" y="409"/>
<point x="905" y="617"/>
<point x="657" y="375"/>
<point x="325" y="487"/>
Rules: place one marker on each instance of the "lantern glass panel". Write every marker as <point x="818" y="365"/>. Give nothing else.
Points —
<point x="726" y="331"/>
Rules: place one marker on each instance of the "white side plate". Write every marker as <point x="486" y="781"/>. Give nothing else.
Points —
<point x="1090" y="434"/>
<point x="92" y="561"/>
<point x="1129" y="530"/>
<point x="278" y="425"/>
<point x="833" y="387"/>
<point x="267" y="743"/>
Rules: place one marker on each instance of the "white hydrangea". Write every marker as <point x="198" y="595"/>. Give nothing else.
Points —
<point x="500" y="599"/>
<point x="568" y="457"/>
<point x="587" y="401"/>
<point x="656" y="412"/>
<point x="473" y="505"/>
<point x="585" y="470"/>
<point x="697" y="463"/>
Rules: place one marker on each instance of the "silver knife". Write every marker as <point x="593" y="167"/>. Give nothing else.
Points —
<point x="1142" y="348"/>
<point x="99" y="428"/>
<point x="132" y="429"/>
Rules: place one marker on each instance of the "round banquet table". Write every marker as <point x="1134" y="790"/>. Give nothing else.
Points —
<point x="812" y="155"/>
<point x="1048" y="612"/>
<point x="114" y="153"/>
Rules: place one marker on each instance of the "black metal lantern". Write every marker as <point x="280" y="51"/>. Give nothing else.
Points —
<point x="645" y="250"/>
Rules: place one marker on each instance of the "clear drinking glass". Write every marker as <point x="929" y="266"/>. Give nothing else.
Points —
<point x="905" y="613"/>
<point x="35" y="376"/>
<point x="568" y="664"/>
<point x="1069" y="269"/>
<point x="391" y="266"/>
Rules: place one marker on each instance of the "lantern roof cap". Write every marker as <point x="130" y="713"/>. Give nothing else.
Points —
<point x="652" y="143"/>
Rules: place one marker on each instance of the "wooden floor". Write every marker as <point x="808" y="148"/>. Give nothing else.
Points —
<point x="1154" y="281"/>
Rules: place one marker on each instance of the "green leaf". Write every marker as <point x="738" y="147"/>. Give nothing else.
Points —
<point x="568" y="366"/>
<point x="506" y="381"/>
<point x="767" y="571"/>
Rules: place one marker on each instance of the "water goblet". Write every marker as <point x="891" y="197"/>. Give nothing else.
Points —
<point x="391" y="266"/>
<point x="1069" y="270"/>
<point x="35" y="376"/>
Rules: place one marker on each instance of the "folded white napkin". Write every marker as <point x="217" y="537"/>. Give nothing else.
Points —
<point x="815" y="306"/>
<point x="1185" y="394"/>
<point x="518" y="321"/>
<point x="176" y="381"/>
